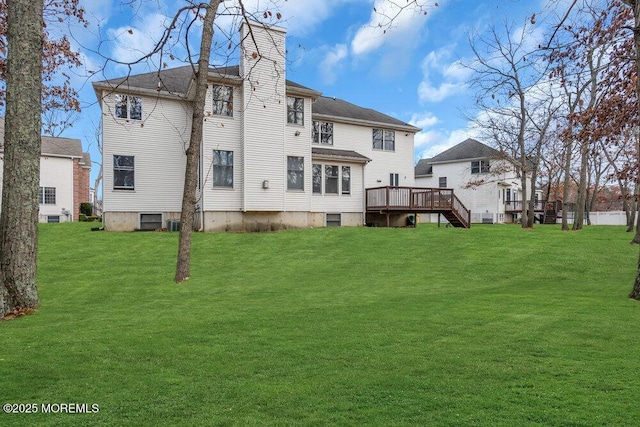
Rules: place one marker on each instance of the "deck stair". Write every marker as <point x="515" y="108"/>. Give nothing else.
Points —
<point x="397" y="200"/>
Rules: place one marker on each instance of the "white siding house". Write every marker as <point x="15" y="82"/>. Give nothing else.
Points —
<point x="64" y="178"/>
<point x="482" y="177"/>
<point x="275" y="154"/>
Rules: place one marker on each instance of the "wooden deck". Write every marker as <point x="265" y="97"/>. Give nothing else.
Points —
<point x="397" y="200"/>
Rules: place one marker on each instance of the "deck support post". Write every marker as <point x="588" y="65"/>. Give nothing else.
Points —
<point x="388" y="221"/>
<point x="438" y="219"/>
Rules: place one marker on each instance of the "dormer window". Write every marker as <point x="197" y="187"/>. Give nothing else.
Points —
<point x="128" y="107"/>
<point x="322" y="133"/>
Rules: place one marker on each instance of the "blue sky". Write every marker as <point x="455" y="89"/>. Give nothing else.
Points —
<point x="412" y="72"/>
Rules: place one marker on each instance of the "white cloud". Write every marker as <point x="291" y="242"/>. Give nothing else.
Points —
<point x="432" y="140"/>
<point x="451" y="76"/>
<point x="389" y="21"/>
<point x="134" y="41"/>
<point x="424" y="120"/>
<point x="332" y="63"/>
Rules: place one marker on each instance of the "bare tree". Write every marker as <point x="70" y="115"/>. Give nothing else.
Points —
<point x="516" y="109"/>
<point x="189" y="196"/>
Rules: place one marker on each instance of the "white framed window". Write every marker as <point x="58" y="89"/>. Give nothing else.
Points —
<point x="394" y="179"/>
<point x="222" y="100"/>
<point x="295" y="110"/>
<point x="480" y="166"/>
<point x="384" y="140"/>
<point x="442" y="182"/>
<point x="330" y="179"/>
<point x="295" y="173"/>
<point x="316" y="178"/>
<point x="123" y="172"/>
<point x="322" y="133"/>
<point x="53" y="219"/>
<point x="128" y="107"/>
<point x="346" y="179"/>
<point x="47" y="196"/>
<point x="223" y="168"/>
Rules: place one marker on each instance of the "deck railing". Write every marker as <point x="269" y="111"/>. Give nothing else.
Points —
<point x="539" y="205"/>
<point x="416" y="199"/>
<point x="407" y="198"/>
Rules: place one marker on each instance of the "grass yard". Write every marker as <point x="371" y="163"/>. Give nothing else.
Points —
<point x="493" y="325"/>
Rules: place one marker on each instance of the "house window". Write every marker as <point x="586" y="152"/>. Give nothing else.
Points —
<point x="222" y="100"/>
<point x="346" y="180"/>
<point x="394" y="179"/>
<point x="128" y="107"/>
<point x="317" y="178"/>
<point x="150" y="221"/>
<point x="331" y="179"/>
<point x="481" y="166"/>
<point x="323" y="133"/>
<point x="442" y="182"/>
<point x="47" y="196"/>
<point x="295" y="110"/>
<point x="295" y="173"/>
<point x="334" y="219"/>
<point x="51" y="219"/>
<point x="384" y="140"/>
<point x="123" y="172"/>
<point x="222" y="168"/>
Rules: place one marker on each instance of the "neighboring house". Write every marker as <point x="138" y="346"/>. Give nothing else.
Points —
<point x="64" y="178"/>
<point x="482" y="177"/>
<point x="275" y="154"/>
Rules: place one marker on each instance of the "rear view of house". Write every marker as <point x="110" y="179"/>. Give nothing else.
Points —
<point x="275" y="154"/>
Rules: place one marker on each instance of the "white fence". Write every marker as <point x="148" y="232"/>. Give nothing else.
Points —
<point x="596" y="218"/>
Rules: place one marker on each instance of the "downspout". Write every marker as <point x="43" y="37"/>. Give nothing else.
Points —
<point x="202" y="184"/>
<point x="364" y="196"/>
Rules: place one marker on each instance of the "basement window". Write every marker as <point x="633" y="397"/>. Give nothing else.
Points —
<point x="334" y="220"/>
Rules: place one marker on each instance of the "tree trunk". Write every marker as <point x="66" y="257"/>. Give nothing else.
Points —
<point x="635" y="5"/>
<point x="578" y="218"/>
<point x="189" y="196"/>
<point x="21" y="173"/>
<point x="567" y="182"/>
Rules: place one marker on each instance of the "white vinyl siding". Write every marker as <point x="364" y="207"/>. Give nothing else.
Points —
<point x="158" y="148"/>
<point x="57" y="173"/>
<point x="383" y="163"/>
<point x="264" y="125"/>
<point x="225" y="134"/>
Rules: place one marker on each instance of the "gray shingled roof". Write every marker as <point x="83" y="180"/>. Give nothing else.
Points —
<point x="339" y="154"/>
<point x="423" y="167"/>
<point x="176" y="81"/>
<point x="333" y="107"/>
<point x="64" y="147"/>
<point x="468" y="149"/>
<point x="61" y="147"/>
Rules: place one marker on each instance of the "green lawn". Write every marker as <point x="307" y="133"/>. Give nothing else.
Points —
<point x="494" y="325"/>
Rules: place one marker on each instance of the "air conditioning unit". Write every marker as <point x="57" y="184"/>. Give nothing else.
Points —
<point x="173" y="225"/>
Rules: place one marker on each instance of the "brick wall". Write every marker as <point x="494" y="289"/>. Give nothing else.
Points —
<point x="81" y="185"/>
